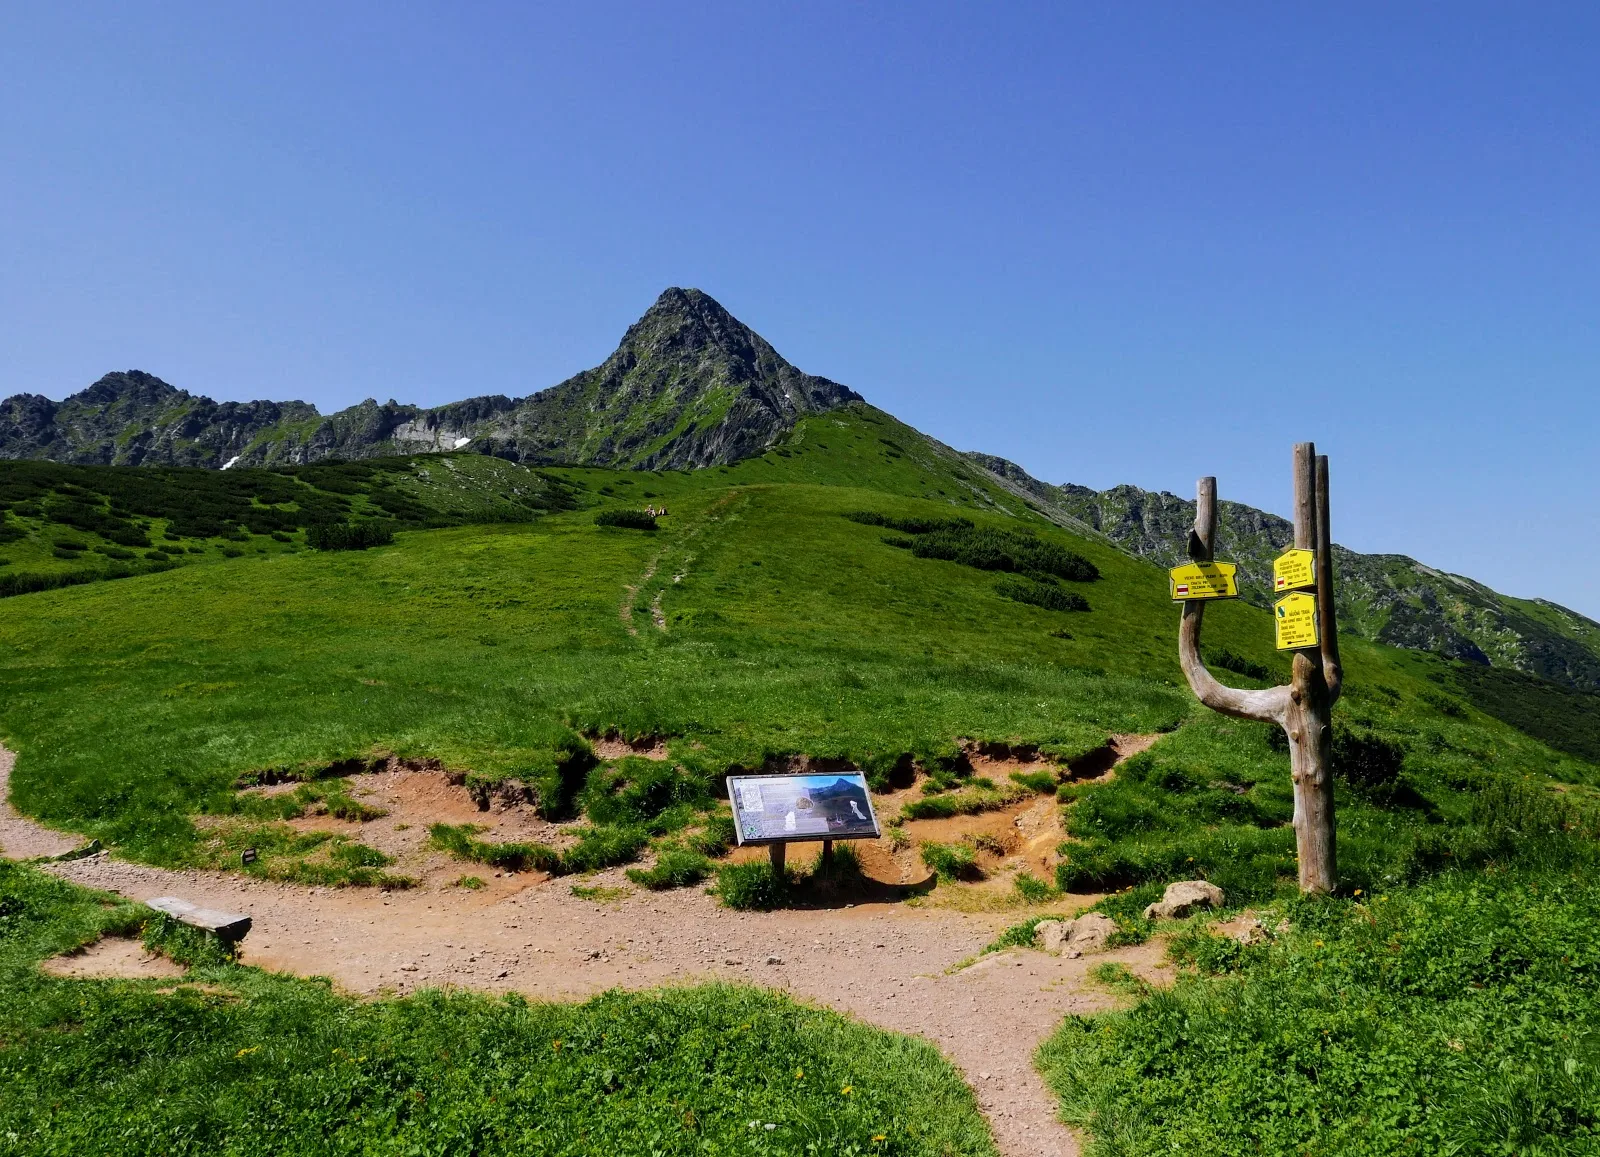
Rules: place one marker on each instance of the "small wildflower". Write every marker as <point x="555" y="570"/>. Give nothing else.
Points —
<point x="769" y="1126"/>
<point x="557" y="1045"/>
<point x="799" y="1074"/>
<point x="880" y="1136"/>
<point x="847" y="1090"/>
<point x="1358" y="891"/>
<point x="1318" y="943"/>
<point x="246" y="1052"/>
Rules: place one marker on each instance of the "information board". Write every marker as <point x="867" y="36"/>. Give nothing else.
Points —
<point x="1296" y="619"/>
<point x="1294" y="570"/>
<point x="770" y="809"/>
<point x="1204" y="580"/>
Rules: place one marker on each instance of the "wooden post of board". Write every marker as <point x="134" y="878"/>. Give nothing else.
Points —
<point x="1303" y="709"/>
<point x="827" y="857"/>
<point x="776" y="852"/>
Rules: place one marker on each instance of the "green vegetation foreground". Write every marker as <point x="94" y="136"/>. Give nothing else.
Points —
<point x="242" y="1062"/>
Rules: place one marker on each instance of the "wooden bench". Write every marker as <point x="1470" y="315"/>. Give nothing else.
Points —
<point x="229" y="926"/>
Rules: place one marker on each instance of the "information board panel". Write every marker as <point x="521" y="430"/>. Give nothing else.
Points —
<point x="769" y="809"/>
<point x="1296" y="618"/>
<point x="1203" y="580"/>
<point x="1294" y="570"/>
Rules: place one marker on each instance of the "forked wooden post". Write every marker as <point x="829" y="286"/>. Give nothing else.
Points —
<point x="1304" y="708"/>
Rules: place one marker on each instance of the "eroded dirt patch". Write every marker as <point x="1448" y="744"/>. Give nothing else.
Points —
<point x="113" y="958"/>
<point x="609" y="748"/>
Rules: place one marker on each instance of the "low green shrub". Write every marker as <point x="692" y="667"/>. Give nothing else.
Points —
<point x="1039" y="595"/>
<point x="1365" y="759"/>
<point x="639" y="791"/>
<point x="347" y="536"/>
<point x="910" y="525"/>
<point x="1228" y="661"/>
<point x="626" y="519"/>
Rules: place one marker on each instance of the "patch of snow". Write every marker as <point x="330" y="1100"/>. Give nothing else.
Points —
<point x="460" y="442"/>
<point x="231" y="461"/>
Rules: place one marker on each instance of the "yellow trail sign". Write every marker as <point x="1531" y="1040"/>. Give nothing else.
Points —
<point x="1296" y="619"/>
<point x="1204" y="580"/>
<point x="1294" y="569"/>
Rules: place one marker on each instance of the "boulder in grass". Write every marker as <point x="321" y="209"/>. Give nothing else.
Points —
<point x="1183" y="898"/>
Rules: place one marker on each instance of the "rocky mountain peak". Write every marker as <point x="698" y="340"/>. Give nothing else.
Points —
<point x="133" y="387"/>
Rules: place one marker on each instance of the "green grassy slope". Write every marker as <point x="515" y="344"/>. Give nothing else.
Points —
<point x="788" y="629"/>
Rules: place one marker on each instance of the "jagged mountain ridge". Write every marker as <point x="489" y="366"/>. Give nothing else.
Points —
<point x="689" y="385"/>
<point x="1389" y="598"/>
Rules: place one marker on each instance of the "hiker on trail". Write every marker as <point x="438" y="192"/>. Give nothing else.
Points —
<point x="650" y="510"/>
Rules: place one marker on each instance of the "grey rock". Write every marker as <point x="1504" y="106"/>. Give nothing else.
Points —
<point x="1182" y="898"/>
<point x="1091" y="931"/>
<point x="1072" y="938"/>
<point x="1050" y="935"/>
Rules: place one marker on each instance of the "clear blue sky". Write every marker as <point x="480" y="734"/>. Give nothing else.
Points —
<point x="1112" y="242"/>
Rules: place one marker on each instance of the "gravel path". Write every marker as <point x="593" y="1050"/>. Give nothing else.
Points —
<point x="889" y="965"/>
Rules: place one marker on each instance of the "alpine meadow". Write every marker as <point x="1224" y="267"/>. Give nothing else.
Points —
<point x="446" y="699"/>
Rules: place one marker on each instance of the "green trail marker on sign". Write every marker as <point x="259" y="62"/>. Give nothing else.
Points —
<point x="1296" y="619"/>
<point x="1204" y="580"/>
<point x="1294" y="570"/>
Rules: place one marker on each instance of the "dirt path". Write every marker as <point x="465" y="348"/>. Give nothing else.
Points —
<point x="890" y="965"/>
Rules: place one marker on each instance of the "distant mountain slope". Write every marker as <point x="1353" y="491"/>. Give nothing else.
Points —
<point x="1388" y="598"/>
<point x="690" y="385"/>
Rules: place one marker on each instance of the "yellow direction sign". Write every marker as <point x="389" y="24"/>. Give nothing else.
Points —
<point x="1294" y="569"/>
<point x="1296" y="618"/>
<point x="1204" y="580"/>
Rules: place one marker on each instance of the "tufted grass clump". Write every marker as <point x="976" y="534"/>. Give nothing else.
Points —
<point x="954" y="861"/>
<point x="753" y="886"/>
<point x="674" y="868"/>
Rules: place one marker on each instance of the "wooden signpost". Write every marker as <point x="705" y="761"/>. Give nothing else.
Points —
<point x="1305" y="625"/>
